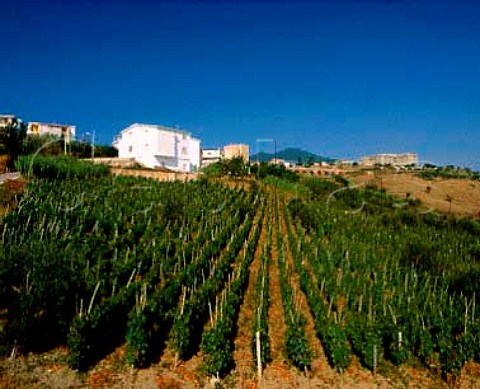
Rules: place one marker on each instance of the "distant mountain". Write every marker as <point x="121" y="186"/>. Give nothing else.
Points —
<point x="293" y="155"/>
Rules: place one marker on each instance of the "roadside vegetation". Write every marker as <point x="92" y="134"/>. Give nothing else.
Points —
<point x="58" y="167"/>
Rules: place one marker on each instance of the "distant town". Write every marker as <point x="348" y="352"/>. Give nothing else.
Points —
<point x="160" y="147"/>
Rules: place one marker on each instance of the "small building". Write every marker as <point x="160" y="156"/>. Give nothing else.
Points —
<point x="237" y="150"/>
<point x="6" y="120"/>
<point x="210" y="156"/>
<point x="156" y="146"/>
<point x="64" y="131"/>
<point x="390" y="159"/>
<point x="281" y="162"/>
<point x="277" y="161"/>
<point x="344" y="162"/>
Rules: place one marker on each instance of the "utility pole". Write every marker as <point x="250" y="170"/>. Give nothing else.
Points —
<point x="93" y="145"/>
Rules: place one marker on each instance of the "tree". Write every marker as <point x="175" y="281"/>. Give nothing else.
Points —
<point x="235" y="167"/>
<point x="11" y="140"/>
<point x="449" y="199"/>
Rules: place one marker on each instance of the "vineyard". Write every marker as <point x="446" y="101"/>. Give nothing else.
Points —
<point x="201" y="270"/>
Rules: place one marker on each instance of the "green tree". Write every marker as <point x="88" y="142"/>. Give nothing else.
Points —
<point x="235" y="167"/>
<point x="12" y="137"/>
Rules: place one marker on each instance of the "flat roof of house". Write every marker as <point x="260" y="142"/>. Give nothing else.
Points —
<point x="389" y="154"/>
<point x="52" y="124"/>
<point x="159" y="127"/>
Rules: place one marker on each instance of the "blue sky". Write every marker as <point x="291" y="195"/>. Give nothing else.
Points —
<point x="339" y="78"/>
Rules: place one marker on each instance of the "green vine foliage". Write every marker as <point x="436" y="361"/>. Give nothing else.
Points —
<point x="379" y="276"/>
<point x="262" y="302"/>
<point x="81" y="248"/>
<point x="92" y="336"/>
<point x="187" y="327"/>
<point x="138" y="337"/>
<point x="217" y="342"/>
<point x="297" y="347"/>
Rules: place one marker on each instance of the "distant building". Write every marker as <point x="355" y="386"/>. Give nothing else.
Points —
<point x="344" y="162"/>
<point x="236" y="150"/>
<point x="277" y="161"/>
<point x="157" y="146"/>
<point x="6" y="120"/>
<point x="281" y="162"/>
<point x="63" y="131"/>
<point x="390" y="159"/>
<point x="210" y="156"/>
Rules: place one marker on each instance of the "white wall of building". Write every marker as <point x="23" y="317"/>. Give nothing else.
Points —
<point x="195" y="153"/>
<point x="157" y="146"/>
<point x="210" y="156"/>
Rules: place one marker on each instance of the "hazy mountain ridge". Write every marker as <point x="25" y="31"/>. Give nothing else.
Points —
<point x="291" y="155"/>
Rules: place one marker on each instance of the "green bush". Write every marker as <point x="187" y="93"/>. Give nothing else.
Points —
<point x="58" y="167"/>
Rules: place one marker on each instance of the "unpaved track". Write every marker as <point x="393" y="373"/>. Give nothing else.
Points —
<point x="277" y="374"/>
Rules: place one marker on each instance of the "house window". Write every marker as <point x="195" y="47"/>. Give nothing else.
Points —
<point x="184" y="150"/>
<point x="130" y="149"/>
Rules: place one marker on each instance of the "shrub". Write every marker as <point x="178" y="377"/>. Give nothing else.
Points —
<point x="58" y="167"/>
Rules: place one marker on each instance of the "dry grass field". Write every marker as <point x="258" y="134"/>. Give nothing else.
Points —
<point x="457" y="196"/>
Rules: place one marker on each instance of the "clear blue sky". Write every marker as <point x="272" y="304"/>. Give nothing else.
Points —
<point x="339" y="78"/>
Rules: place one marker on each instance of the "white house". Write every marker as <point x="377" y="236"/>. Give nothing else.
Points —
<point x="157" y="146"/>
<point x="210" y="156"/>
<point x="6" y="120"/>
<point x="65" y="131"/>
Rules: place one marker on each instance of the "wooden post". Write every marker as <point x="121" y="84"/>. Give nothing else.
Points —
<point x="259" y="356"/>
<point x="210" y="310"/>
<point x="183" y="300"/>
<point x="374" y="368"/>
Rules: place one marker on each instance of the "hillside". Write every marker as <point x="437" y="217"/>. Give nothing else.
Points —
<point x="291" y="155"/>
<point x="434" y="194"/>
<point x="179" y="293"/>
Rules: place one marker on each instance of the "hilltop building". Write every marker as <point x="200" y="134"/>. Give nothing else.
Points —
<point x="236" y="150"/>
<point x="277" y="161"/>
<point x="390" y="159"/>
<point x="64" y="131"/>
<point x="156" y="146"/>
<point x="210" y="156"/>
